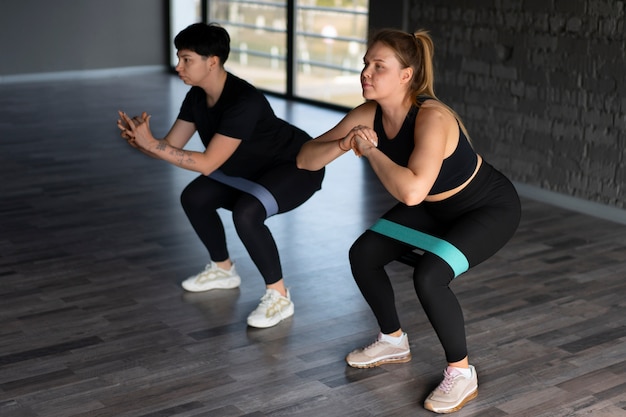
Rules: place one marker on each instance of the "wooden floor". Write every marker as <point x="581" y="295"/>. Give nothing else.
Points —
<point x="93" y="321"/>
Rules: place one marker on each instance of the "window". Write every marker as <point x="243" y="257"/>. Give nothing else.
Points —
<point x="182" y="14"/>
<point x="309" y="49"/>
<point x="258" y="40"/>
<point x="330" y="44"/>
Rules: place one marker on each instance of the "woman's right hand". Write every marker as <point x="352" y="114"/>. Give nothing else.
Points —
<point x="126" y="130"/>
<point x="361" y="139"/>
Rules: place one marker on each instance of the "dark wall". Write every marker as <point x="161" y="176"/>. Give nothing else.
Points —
<point x="539" y="83"/>
<point x="38" y="36"/>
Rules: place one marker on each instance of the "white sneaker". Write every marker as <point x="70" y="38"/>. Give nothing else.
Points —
<point x="273" y="309"/>
<point x="211" y="278"/>
<point x="453" y="392"/>
<point x="379" y="353"/>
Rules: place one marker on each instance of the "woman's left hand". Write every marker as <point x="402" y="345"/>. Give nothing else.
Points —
<point x="363" y="139"/>
<point x="136" y="130"/>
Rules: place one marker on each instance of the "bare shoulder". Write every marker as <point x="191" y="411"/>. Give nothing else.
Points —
<point x="361" y="115"/>
<point x="434" y="111"/>
<point x="436" y="126"/>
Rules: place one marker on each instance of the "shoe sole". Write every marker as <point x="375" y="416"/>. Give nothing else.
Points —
<point x="272" y="324"/>
<point x="228" y="285"/>
<point x="396" y="359"/>
<point x="465" y="400"/>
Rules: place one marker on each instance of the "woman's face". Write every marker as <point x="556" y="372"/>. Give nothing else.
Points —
<point x="192" y="68"/>
<point x="382" y="74"/>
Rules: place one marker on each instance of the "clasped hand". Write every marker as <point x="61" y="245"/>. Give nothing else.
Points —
<point x="361" y="139"/>
<point x="135" y="130"/>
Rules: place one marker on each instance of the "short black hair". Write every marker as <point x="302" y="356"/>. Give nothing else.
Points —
<point x="205" y="39"/>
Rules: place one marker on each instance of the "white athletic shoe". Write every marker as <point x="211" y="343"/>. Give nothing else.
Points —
<point x="273" y="309"/>
<point x="453" y="392"/>
<point x="380" y="353"/>
<point x="211" y="278"/>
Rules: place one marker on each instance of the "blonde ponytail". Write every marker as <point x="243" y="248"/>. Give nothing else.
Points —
<point x="424" y="73"/>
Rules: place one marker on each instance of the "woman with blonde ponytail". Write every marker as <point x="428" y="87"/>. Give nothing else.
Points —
<point x="452" y="204"/>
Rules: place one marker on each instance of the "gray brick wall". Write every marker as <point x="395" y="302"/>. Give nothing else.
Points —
<point x="540" y="85"/>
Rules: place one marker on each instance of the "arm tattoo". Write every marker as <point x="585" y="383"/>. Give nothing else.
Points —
<point x="161" y="145"/>
<point x="182" y="157"/>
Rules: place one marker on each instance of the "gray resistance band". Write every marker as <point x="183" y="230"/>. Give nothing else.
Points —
<point x="261" y="193"/>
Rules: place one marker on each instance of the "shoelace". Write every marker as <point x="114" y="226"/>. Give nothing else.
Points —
<point x="268" y="299"/>
<point x="376" y="343"/>
<point x="271" y="303"/>
<point x="448" y="381"/>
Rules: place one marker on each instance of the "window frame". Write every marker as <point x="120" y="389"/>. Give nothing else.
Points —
<point x="291" y="59"/>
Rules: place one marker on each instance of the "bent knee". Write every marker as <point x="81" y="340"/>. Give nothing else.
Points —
<point x="190" y="198"/>
<point x="432" y="273"/>
<point x="248" y="212"/>
<point x="362" y="249"/>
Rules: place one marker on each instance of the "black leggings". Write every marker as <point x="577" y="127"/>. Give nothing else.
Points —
<point x="290" y="187"/>
<point x="478" y="221"/>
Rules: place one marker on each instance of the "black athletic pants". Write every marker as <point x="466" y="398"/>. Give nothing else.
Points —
<point x="478" y="221"/>
<point x="290" y="187"/>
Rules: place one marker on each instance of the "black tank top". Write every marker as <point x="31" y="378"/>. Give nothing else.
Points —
<point x="455" y="170"/>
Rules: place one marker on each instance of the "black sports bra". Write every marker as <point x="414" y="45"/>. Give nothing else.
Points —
<point x="456" y="168"/>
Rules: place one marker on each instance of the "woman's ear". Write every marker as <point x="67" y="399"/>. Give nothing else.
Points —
<point x="213" y="61"/>
<point x="407" y="75"/>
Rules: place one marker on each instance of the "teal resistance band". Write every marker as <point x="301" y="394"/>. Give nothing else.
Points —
<point x="445" y="250"/>
<point x="261" y="193"/>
